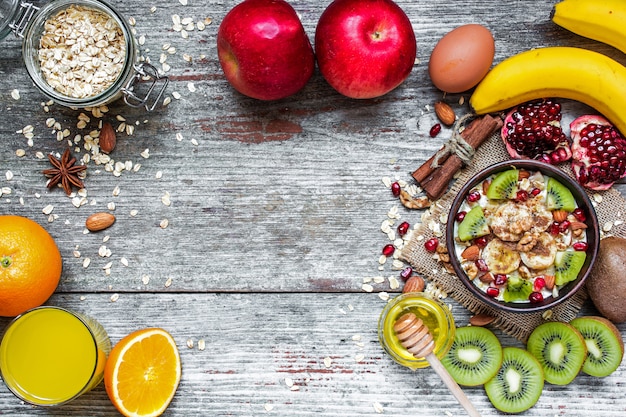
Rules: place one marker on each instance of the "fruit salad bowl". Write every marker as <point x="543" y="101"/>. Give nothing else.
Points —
<point x="522" y="236"/>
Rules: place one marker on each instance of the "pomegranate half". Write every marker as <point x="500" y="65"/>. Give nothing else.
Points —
<point x="598" y="152"/>
<point x="533" y="131"/>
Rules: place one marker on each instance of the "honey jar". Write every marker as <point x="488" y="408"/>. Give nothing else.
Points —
<point x="82" y="53"/>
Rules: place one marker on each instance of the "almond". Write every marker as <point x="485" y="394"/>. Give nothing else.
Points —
<point x="471" y="253"/>
<point x="577" y="225"/>
<point x="549" y="281"/>
<point x="559" y="215"/>
<point x="522" y="174"/>
<point x="445" y="113"/>
<point x="481" y="320"/>
<point x="107" y="139"/>
<point x="487" y="278"/>
<point x="414" y="284"/>
<point x="99" y="221"/>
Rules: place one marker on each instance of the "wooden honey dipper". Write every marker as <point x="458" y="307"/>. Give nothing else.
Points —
<point x="416" y="338"/>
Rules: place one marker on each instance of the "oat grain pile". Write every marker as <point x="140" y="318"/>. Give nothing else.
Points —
<point x="82" y="51"/>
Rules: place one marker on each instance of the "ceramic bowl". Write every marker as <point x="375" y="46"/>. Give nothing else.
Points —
<point x="592" y="236"/>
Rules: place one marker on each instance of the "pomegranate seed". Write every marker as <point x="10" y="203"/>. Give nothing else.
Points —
<point x="474" y="196"/>
<point x="482" y="265"/>
<point x="539" y="283"/>
<point x="403" y="228"/>
<point x="406" y="273"/>
<point x="460" y="216"/>
<point x="580" y="246"/>
<point x="388" y="250"/>
<point x="500" y="279"/>
<point x="555" y="229"/>
<point x="395" y="189"/>
<point x="522" y="195"/>
<point x="565" y="224"/>
<point x="493" y="292"/>
<point x="535" y="192"/>
<point x="431" y="244"/>
<point x="434" y="131"/>
<point x="579" y="214"/>
<point x="535" y="297"/>
<point x="481" y="241"/>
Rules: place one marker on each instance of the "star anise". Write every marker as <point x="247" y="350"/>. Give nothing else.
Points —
<point x="64" y="172"/>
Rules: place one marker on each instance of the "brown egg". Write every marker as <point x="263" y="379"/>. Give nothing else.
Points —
<point x="461" y="58"/>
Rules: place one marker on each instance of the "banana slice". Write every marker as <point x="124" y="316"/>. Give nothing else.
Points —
<point x="542" y="255"/>
<point x="511" y="221"/>
<point x="501" y="258"/>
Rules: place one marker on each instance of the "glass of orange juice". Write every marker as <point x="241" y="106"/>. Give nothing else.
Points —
<point x="50" y="355"/>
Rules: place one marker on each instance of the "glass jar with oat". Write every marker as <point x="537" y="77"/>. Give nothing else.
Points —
<point x="82" y="53"/>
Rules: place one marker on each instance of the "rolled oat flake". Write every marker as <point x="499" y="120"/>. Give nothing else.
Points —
<point x="82" y="53"/>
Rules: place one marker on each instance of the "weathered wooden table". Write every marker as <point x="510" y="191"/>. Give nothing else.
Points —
<point x="273" y="213"/>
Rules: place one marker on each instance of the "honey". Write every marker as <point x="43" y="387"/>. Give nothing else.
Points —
<point x="435" y="315"/>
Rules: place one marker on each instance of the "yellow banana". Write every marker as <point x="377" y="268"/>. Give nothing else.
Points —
<point x="573" y="73"/>
<point x="601" y="20"/>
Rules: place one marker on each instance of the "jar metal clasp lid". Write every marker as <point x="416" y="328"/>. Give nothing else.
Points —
<point x="22" y="17"/>
<point x="145" y="72"/>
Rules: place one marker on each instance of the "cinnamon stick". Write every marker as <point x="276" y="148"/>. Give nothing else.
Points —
<point x="434" y="181"/>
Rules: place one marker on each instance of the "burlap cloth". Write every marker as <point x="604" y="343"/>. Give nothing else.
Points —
<point x="609" y="207"/>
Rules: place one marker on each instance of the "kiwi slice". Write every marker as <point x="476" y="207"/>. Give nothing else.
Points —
<point x="474" y="225"/>
<point x="560" y="349"/>
<point x="503" y="185"/>
<point x="518" y="384"/>
<point x="475" y="356"/>
<point x="517" y="289"/>
<point x="558" y="196"/>
<point x="605" y="347"/>
<point x="567" y="265"/>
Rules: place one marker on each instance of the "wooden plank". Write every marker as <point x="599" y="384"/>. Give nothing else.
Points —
<point x="257" y="343"/>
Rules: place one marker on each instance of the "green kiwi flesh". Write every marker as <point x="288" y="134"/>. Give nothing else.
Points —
<point x="605" y="347"/>
<point x="474" y="225"/>
<point x="567" y="266"/>
<point x="475" y="356"/>
<point x="517" y="289"/>
<point x="518" y="384"/>
<point x="503" y="185"/>
<point x="560" y="349"/>
<point x="558" y="196"/>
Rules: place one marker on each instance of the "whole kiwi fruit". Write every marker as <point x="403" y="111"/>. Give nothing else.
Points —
<point x="607" y="282"/>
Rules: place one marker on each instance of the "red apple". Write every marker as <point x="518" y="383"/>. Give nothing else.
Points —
<point x="364" y="48"/>
<point x="264" y="50"/>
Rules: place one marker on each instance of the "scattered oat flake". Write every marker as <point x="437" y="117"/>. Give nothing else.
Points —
<point x="383" y="295"/>
<point x="378" y="407"/>
<point x="164" y="223"/>
<point x="168" y="282"/>
<point x="145" y="279"/>
<point x="20" y="152"/>
<point x="146" y="153"/>
<point x="48" y="209"/>
<point x="190" y="343"/>
<point x="328" y="361"/>
<point x="124" y="261"/>
<point x="183" y="2"/>
<point x="289" y="382"/>
<point x="367" y="288"/>
<point x="268" y="407"/>
<point x="9" y="175"/>
<point x="191" y="87"/>
<point x="133" y="212"/>
<point x="201" y="344"/>
<point x="115" y="297"/>
<point x="607" y="226"/>
<point x="15" y="94"/>
<point x="359" y="357"/>
<point x="86" y="262"/>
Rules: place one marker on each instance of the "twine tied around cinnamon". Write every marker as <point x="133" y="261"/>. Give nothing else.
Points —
<point x="456" y="144"/>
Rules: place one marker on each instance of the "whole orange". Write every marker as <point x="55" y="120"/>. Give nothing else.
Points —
<point x="30" y="265"/>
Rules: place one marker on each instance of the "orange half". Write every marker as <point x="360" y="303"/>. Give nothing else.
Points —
<point x="142" y="373"/>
